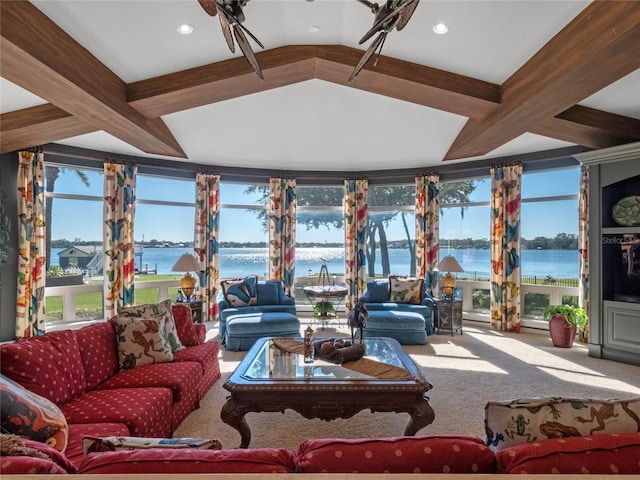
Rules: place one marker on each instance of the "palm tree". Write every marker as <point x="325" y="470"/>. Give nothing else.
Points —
<point x="51" y="174"/>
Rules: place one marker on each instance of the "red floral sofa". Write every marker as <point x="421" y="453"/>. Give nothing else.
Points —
<point x="80" y="373"/>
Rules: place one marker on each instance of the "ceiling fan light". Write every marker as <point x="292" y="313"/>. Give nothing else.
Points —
<point x="440" y="28"/>
<point x="185" y="28"/>
<point x="314" y="29"/>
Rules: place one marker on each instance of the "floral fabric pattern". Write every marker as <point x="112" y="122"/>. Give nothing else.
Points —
<point x="405" y="290"/>
<point x="356" y="203"/>
<point x="505" y="247"/>
<point x="119" y="212"/>
<point x="30" y="319"/>
<point x="205" y="240"/>
<point x="583" y="238"/>
<point x="427" y="228"/>
<point x="282" y="232"/>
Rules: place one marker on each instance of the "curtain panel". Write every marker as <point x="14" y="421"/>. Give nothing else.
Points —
<point x="356" y="202"/>
<point x="505" y="247"/>
<point x="205" y="241"/>
<point x="427" y="228"/>
<point x="282" y="232"/>
<point x="118" y="214"/>
<point x="30" y="319"/>
<point x="583" y="238"/>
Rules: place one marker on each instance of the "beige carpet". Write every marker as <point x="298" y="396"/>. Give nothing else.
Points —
<point x="466" y="372"/>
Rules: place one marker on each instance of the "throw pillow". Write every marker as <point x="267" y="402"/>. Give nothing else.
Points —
<point x="185" y="327"/>
<point x="405" y="290"/>
<point x="31" y="416"/>
<point x="140" y="342"/>
<point x="378" y="292"/>
<point x="111" y="444"/>
<point x="240" y="292"/>
<point x="161" y="312"/>
<point x="530" y="420"/>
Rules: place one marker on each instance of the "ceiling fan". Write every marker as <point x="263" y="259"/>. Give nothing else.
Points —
<point x="231" y="17"/>
<point x="393" y="14"/>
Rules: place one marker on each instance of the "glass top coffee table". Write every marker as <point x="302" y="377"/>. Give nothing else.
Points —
<point x="270" y="379"/>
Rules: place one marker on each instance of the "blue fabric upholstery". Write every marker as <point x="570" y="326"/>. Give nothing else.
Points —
<point x="408" y="328"/>
<point x="378" y="292"/>
<point x="268" y="292"/>
<point x="244" y="329"/>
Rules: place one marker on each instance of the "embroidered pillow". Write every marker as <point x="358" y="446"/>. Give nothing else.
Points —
<point x="111" y="444"/>
<point x="240" y="292"/>
<point x="31" y="416"/>
<point x="530" y="420"/>
<point x="405" y="290"/>
<point x="161" y="312"/>
<point x="140" y="342"/>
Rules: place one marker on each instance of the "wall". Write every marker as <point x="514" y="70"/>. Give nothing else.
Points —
<point x="8" y="286"/>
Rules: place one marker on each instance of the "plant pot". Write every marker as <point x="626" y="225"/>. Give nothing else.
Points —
<point x="562" y="333"/>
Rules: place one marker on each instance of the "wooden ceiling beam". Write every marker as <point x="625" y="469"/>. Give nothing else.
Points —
<point x="599" y="46"/>
<point x="42" y="58"/>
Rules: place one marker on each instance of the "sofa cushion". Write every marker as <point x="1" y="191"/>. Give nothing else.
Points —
<point x="31" y="416"/>
<point x="185" y="327"/>
<point x="206" y="355"/>
<point x="145" y="411"/>
<point x="77" y="431"/>
<point x="32" y="457"/>
<point x="433" y="454"/>
<point x="163" y="313"/>
<point x="601" y="454"/>
<point x="530" y="420"/>
<point x="99" y="352"/>
<point x="405" y="290"/>
<point x="189" y="461"/>
<point x="267" y="293"/>
<point x="49" y="365"/>
<point x="240" y="292"/>
<point x="112" y="444"/>
<point x="140" y="342"/>
<point x="378" y="292"/>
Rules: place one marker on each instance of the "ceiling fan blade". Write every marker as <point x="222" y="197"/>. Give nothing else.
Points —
<point x="209" y="6"/>
<point x="251" y="35"/>
<point x="384" y="21"/>
<point x="243" y="43"/>
<point x="226" y="29"/>
<point x="406" y="13"/>
<point x="367" y="55"/>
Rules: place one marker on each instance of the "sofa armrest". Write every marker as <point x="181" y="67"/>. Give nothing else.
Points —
<point x="201" y="332"/>
<point x="287" y="300"/>
<point x="364" y="298"/>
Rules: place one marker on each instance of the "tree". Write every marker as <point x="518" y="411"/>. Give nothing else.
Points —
<point x="51" y="174"/>
<point x="378" y="221"/>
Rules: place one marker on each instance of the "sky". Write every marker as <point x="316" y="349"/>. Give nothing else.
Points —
<point x="83" y="220"/>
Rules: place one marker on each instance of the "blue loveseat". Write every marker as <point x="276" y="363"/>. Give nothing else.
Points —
<point x="271" y="313"/>
<point x="391" y="316"/>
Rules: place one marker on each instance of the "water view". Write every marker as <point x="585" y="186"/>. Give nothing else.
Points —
<point x="239" y="262"/>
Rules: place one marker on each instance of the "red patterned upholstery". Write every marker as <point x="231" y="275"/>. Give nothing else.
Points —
<point x="145" y="411"/>
<point x="602" y="454"/>
<point x="99" y="352"/>
<point x="57" y="463"/>
<point x="185" y="327"/>
<point x="435" y="454"/>
<point x="77" y="432"/>
<point x="49" y="366"/>
<point x="201" y="330"/>
<point x="207" y="356"/>
<point x="189" y="461"/>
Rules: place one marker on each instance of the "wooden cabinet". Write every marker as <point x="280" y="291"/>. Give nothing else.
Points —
<point x="448" y="315"/>
<point x="614" y="253"/>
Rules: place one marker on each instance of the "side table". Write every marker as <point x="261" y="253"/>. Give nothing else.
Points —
<point x="447" y="314"/>
<point x="332" y="294"/>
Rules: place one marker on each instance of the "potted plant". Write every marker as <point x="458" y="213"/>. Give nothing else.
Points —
<point x="323" y="309"/>
<point x="564" y="321"/>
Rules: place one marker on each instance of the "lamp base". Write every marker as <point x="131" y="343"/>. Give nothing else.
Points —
<point x="448" y="285"/>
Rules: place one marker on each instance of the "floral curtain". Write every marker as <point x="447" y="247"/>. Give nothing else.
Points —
<point x="282" y="232"/>
<point x="583" y="237"/>
<point x="427" y="228"/>
<point x="118" y="214"/>
<point x="356" y="201"/>
<point x="505" y="247"/>
<point x="205" y="242"/>
<point x="30" y="320"/>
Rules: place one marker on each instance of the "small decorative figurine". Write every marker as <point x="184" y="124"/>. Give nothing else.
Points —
<point x="358" y="320"/>
<point x="308" y="345"/>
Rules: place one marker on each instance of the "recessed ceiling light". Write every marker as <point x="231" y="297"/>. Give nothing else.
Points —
<point x="314" y="29"/>
<point x="440" y="28"/>
<point x="185" y="28"/>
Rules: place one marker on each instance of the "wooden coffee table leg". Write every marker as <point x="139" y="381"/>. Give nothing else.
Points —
<point x="421" y="415"/>
<point x="233" y="415"/>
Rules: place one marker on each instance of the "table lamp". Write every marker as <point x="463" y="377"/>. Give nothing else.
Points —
<point x="187" y="263"/>
<point x="449" y="264"/>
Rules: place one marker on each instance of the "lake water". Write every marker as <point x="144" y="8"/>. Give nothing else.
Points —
<point x="239" y="262"/>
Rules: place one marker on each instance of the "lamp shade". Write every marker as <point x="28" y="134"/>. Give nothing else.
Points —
<point x="187" y="263"/>
<point x="449" y="264"/>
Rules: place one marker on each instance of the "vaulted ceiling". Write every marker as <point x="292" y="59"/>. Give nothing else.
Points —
<point x="509" y="78"/>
